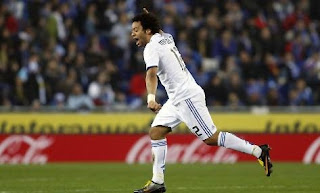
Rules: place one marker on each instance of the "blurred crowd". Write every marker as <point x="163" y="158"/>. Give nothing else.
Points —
<point x="78" y="54"/>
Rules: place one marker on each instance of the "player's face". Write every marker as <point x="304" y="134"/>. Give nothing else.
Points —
<point x="139" y="34"/>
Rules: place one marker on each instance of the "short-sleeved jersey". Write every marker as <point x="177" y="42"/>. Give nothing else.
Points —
<point x="161" y="52"/>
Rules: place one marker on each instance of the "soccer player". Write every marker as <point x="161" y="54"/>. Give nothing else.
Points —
<point x="186" y="101"/>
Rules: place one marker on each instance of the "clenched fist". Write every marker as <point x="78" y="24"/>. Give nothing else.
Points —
<point x="154" y="106"/>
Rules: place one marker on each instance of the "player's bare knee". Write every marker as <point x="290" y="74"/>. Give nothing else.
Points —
<point x="152" y="133"/>
<point x="213" y="140"/>
<point x="210" y="142"/>
<point x="157" y="133"/>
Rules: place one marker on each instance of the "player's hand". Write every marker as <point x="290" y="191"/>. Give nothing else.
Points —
<point x="154" y="106"/>
<point x="145" y="10"/>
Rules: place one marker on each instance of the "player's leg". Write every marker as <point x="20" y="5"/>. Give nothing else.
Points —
<point x="161" y="126"/>
<point x="198" y="119"/>
<point x="231" y="141"/>
<point x="159" y="152"/>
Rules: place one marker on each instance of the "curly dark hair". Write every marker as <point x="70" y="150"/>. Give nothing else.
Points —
<point x="148" y="21"/>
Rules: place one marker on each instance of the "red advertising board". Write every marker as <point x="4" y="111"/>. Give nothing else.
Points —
<point x="136" y="148"/>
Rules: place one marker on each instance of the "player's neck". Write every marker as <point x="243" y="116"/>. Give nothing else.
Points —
<point x="149" y="37"/>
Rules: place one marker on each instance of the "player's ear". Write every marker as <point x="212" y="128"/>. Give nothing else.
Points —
<point x="148" y="31"/>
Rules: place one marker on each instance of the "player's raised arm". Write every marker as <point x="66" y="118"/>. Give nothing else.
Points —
<point x="145" y="10"/>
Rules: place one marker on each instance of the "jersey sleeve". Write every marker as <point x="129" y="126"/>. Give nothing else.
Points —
<point x="151" y="57"/>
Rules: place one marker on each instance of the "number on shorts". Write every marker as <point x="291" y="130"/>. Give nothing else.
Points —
<point x="197" y="130"/>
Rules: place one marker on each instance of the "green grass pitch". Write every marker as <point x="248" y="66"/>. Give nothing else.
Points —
<point x="180" y="178"/>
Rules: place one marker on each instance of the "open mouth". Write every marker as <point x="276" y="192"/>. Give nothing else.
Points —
<point x="137" y="41"/>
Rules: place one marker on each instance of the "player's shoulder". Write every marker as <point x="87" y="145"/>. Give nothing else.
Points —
<point x="167" y="35"/>
<point x="162" y="39"/>
<point x="156" y="38"/>
<point x="149" y="47"/>
<point x="153" y="43"/>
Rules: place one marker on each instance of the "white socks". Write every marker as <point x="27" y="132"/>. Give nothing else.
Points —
<point x="159" y="152"/>
<point x="231" y="141"/>
<point x="225" y="139"/>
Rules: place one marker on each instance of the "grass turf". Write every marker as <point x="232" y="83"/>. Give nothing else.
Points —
<point x="180" y="178"/>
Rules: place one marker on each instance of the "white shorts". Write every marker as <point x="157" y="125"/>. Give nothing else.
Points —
<point x="193" y="112"/>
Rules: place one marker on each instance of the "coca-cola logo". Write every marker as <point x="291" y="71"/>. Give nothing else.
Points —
<point x="313" y="152"/>
<point x="195" y="151"/>
<point x="24" y="149"/>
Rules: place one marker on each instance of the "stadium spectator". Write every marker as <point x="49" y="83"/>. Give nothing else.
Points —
<point x="236" y="89"/>
<point x="224" y="46"/>
<point x="137" y="89"/>
<point x="216" y="92"/>
<point x="101" y="91"/>
<point x="233" y="101"/>
<point x="78" y="100"/>
<point x="255" y="90"/>
<point x="302" y="94"/>
<point x="263" y="41"/>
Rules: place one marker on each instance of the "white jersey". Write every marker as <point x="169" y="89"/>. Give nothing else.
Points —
<point x="161" y="52"/>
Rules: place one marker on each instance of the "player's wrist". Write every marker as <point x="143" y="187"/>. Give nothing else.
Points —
<point x="151" y="97"/>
